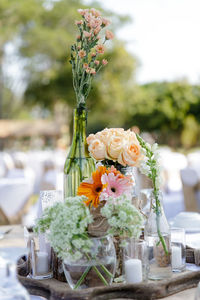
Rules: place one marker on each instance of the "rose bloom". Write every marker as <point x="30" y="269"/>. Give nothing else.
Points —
<point x="91" y="138"/>
<point x="104" y="62"/>
<point x="109" y="35"/>
<point x="82" y="53"/>
<point x="97" y="149"/>
<point x="100" y="49"/>
<point x="104" y="136"/>
<point x="96" y="62"/>
<point x="79" y="22"/>
<point x="131" y="155"/>
<point x="115" y="147"/>
<point x="87" y="34"/>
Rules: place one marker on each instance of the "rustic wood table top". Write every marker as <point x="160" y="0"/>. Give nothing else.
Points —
<point x="16" y="235"/>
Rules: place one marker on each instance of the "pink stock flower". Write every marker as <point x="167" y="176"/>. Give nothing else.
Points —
<point x="100" y="49"/>
<point x="92" y="71"/>
<point x="116" y="186"/>
<point x="79" y="22"/>
<point x="97" y="30"/>
<point x="85" y="66"/>
<point x="82" y="53"/>
<point x="95" y="12"/>
<point x="109" y="35"/>
<point x="96" y="62"/>
<point x="78" y="37"/>
<point x="88" y="70"/>
<point x="104" y="62"/>
<point x="82" y="11"/>
<point x="105" y="21"/>
<point x="87" y="34"/>
<point x="93" y="54"/>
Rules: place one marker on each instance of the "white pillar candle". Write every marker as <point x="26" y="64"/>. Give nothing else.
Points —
<point x="133" y="270"/>
<point x="42" y="262"/>
<point x="176" y="257"/>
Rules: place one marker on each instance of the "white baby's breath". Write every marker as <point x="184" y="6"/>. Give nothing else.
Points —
<point x="66" y="226"/>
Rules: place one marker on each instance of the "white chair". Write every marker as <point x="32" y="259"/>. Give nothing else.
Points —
<point x="191" y="189"/>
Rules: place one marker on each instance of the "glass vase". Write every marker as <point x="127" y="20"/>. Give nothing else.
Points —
<point x="95" y="268"/>
<point x="157" y="235"/>
<point x="78" y="165"/>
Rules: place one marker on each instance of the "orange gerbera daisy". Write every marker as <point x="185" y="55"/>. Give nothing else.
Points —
<point x="92" y="190"/>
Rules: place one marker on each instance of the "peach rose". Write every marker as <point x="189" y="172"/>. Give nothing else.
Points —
<point x="131" y="155"/>
<point x="90" y="138"/>
<point x="115" y="147"/>
<point x="132" y="137"/>
<point x="97" y="149"/>
<point x="104" y="136"/>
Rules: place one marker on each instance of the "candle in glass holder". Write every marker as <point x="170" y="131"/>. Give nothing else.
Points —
<point x="42" y="262"/>
<point x="176" y="257"/>
<point x="133" y="270"/>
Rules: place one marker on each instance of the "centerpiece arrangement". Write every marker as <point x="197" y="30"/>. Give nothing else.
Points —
<point x="98" y="206"/>
<point x="80" y="229"/>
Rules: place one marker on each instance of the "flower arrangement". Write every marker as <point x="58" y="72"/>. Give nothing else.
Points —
<point x="117" y="145"/>
<point x="85" y="53"/>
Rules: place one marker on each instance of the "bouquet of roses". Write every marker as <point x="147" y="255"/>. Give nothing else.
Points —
<point x="117" y="145"/>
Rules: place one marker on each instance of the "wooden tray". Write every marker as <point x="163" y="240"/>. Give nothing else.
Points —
<point x="53" y="289"/>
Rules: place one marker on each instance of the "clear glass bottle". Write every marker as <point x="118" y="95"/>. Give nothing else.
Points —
<point x="78" y="165"/>
<point x="157" y="235"/>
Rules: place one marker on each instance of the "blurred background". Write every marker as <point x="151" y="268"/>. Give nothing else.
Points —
<point x="153" y="79"/>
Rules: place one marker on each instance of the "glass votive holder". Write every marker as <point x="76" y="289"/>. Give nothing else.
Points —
<point x="41" y="265"/>
<point x="135" y="261"/>
<point x="178" y="249"/>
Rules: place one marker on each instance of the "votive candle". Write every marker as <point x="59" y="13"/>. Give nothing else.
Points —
<point x="133" y="270"/>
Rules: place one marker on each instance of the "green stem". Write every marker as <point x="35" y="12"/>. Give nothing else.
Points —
<point x="97" y="271"/>
<point x="82" y="278"/>
<point x="100" y="275"/>
<point x="158" y="223"/>
<point x="106" y="271"/>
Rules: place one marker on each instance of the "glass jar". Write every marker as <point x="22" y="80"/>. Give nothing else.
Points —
<point x="157" y="236"/>
<point x="95" y="268"/>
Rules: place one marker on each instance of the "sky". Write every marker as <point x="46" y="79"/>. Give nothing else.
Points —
<point x="164" y="36"/>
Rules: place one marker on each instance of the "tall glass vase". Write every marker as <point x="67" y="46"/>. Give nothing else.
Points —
<point x="157" y="235"/>
<point x="78" y="165"/>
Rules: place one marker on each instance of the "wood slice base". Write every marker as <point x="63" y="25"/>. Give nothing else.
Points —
<point x="56" y="290"/>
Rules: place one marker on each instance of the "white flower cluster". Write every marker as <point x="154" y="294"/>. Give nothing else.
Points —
<point x="123" y="217"/>
<point x="66" y="226"/>
<point x="150" y="165"/>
